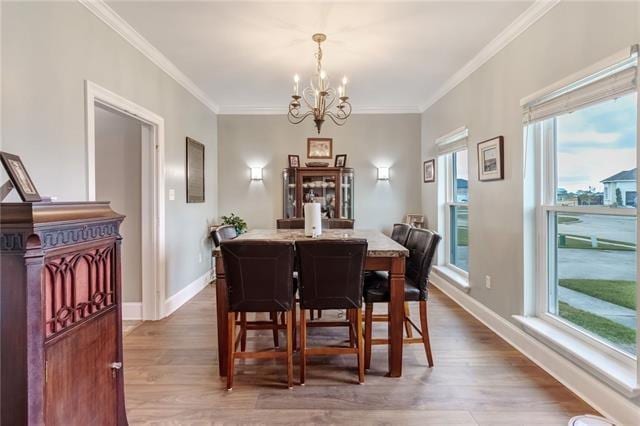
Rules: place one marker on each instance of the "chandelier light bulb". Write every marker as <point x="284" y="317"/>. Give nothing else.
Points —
<point x="296" y="78"/>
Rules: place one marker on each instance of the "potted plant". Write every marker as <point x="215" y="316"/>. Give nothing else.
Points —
<point x="236" y="221"/>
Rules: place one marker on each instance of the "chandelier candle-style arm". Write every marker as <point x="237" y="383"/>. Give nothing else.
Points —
<point x="319" y="97"/>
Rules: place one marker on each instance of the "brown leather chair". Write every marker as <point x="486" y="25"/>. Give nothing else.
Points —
<point x="339" y="223"/>
<point x="331" y="277"/>
<point x="291" y="223"/>
<point x="400" y="233"/>
<point x="422" y="245"/>
<point x="224" y="233"/>
<point x="259" y="278"/>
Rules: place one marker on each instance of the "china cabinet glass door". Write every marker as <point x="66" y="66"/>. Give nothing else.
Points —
<point x="289" y="191"/>
<point x="346" y="196"/>
<point x="320" y="189"/>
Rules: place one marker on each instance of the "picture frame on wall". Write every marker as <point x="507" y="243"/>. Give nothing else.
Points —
<point x="341" y="160"/>
<point x="429" y="171"/>
<point x="415" y="220"/>
<point x="195" y="171"/>
<point x="320" y="148"/>
<point x="294" y="161"/>
<point x="19" y="177"/>
<point x="491" y="159"/>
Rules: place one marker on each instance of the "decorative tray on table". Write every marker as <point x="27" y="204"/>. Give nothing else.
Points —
<point x="316" y="164"/>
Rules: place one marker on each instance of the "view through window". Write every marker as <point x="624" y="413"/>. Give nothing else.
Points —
<point x="592" y="251"/>
<point x="459" y="211"/>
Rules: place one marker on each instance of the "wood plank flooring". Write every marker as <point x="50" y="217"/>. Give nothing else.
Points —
<point x="478" y="379"/>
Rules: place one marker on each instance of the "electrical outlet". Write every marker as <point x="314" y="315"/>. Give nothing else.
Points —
<point x="487" y="281"/>
<point x="172" y="195"/>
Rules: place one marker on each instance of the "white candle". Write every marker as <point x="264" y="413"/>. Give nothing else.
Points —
<point x="344" y="85"/>
<point x="296" y="79"/>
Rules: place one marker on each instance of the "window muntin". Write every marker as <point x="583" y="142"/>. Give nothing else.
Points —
<point x="589" y="223"/>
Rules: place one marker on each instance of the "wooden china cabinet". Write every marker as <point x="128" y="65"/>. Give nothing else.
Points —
<point x="61" y="345"/>
<point x="332" y="187"/>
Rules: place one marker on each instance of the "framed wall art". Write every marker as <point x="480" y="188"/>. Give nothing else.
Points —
<point x="319" y="148"/>
<point x="491" y="159"/>
<point x="195" y="171"/>
<point x="429" y="171"/>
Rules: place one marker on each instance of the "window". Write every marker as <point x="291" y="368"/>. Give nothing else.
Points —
<point x="587" y="217"/>
<point x="453" y="198"/>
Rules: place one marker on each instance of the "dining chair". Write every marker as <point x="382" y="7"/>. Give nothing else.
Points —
<point x="331" y="277"/>
<point x="339" y="223"/>
<point x="422" y="245"/>
<point x="224" y="233"/>
<point x="259" y="278"/>
<point x="400" y="233"/>
<point x="291" y="223"/>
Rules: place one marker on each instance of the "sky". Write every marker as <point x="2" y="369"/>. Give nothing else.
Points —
<point x="596" y="142"/>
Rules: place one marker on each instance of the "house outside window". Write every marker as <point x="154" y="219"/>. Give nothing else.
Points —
<point x="585" y="142"/>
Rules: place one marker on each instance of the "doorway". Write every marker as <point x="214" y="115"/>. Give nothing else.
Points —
<point x="125" y="159"/>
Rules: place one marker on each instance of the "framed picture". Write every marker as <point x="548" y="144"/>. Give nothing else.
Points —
<point x="429" y="170"/>
<point x="294" y="161"/>
<point x="19" y="177"/>
<point x="415" y="220"/>
<point x="195" y="171"/>
<point x="341" y="160"/>
<point x="491" y="159"/>
<point x="319" y="148"/>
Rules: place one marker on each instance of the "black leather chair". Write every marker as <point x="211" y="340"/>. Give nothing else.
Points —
<point x="338" y="223"/>
<point x="331" y="277"/>
<point x="400" y="233"/>
<point x="422" y="245"/>
<point x="259" y="278"/>
<point x="224" y="233"/>
<point x="292" y="223"/>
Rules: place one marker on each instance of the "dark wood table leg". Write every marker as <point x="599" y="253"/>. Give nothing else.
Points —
<point x="396" y="316"/>
<point x="221" y="312"/>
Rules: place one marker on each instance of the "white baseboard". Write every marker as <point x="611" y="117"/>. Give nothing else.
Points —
<point x="597" y="394"/>
<point x="131" y="310"/>
<point x="184" y="295"/>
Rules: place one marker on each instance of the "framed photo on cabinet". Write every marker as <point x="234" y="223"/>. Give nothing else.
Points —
<point x="491" y="159"/>
<point x="19" y="177"/>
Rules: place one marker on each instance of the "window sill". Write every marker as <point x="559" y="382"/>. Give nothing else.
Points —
<point x="617" y="374"/>
<point x="453" y="277"/>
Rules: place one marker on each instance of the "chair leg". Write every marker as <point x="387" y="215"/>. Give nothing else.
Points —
<point x="352" y="337"/>
<point x="425" y="331"/>
<point x="290" y="343"/>
<point x="231" y="328"/>
<point x="243" y="330"/>
<point x="273" y="316"/>
<point x="368" y="332"/>
<point x="295" y="328"/>
<point x="312" y="314"/>
<point x="319" y="313"/>
<point x="407" y="326"/>
<point x="358" y="315"/>
<point x="303" y="344"/>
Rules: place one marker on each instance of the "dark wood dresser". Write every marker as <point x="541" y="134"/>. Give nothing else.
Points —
<point x="60" y="315"/>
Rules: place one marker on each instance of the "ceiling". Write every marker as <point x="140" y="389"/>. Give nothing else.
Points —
<point x="243" y="55"/>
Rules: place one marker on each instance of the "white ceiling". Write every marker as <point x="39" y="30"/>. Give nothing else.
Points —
<point x="243" y="55"/>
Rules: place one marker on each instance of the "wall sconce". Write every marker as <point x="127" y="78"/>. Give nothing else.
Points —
<point x="256" y="173"/>
<point x="383" y="173"/>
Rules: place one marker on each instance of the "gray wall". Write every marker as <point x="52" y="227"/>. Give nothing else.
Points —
<point x="567" y="39"/>
<point x="368" y="140"/>
<point x="48" y="50"/>
<point x="118" y="179"/>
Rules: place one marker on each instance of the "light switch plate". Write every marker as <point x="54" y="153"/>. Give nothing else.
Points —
<point x="172" y="195"/>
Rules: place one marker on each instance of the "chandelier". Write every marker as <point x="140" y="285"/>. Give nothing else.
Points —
<point x="319" y="97"/>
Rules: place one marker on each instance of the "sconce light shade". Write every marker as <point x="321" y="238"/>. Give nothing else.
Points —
<point x="383" y="173"/>
<point x="256" y="173"/>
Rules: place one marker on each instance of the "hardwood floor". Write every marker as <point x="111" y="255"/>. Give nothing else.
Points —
<point x="171" y="378"/>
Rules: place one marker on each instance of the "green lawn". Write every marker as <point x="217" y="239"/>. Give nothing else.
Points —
<point x="622" y="293"/>
<point x="603" y="327"/>
<point x="582" y="242"/>
<point x="463" y="236"/>
<point x="567" y="219"/>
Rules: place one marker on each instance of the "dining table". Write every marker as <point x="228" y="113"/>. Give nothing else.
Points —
<point x="383" y="254"/>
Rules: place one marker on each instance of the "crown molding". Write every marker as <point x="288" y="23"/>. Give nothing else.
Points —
<point x="100" y="9"/>
<point x="282" y="110"/>
<point x="536" y="11"/>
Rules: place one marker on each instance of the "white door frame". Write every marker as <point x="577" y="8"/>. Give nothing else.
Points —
<point x="153" y="216"/>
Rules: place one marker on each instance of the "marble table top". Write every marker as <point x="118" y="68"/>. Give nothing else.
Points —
<point x="379" y="245"/>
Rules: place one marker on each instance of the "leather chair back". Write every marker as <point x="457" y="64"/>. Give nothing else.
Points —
<point x="400" y="233"/>
<point x="224" y="233"/>
<point x="336" y="223"/>
<point x="293" y="223"/>
<point x="422" y="245"/>
<point x="259" y="275"/>
<point x="331" y="273"/>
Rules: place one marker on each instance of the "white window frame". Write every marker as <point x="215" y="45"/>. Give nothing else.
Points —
<point x="546" y="176"/>
<point x="449" y="203"/>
